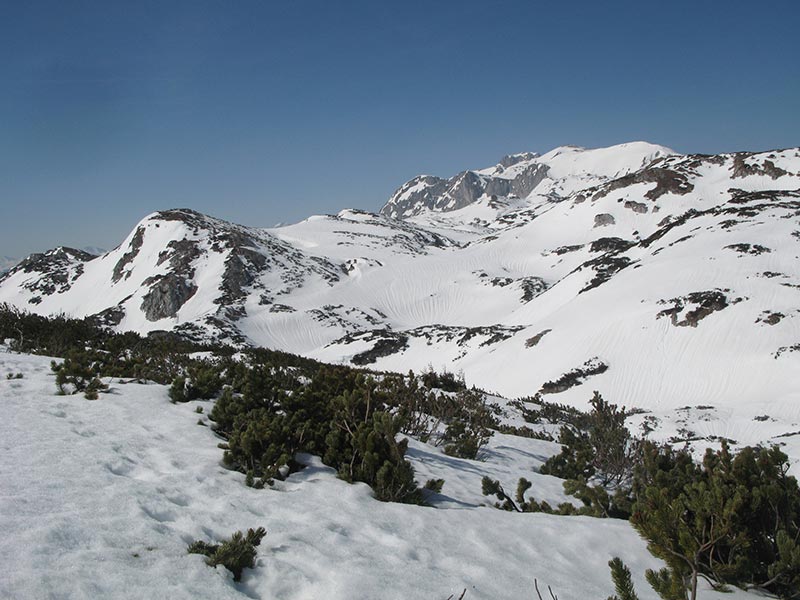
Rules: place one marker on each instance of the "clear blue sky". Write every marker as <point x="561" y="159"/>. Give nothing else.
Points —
<point x="260" y="111"/>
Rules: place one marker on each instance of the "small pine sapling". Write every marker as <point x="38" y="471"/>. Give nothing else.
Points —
<point x="235" y="554"/>
<point x="434" y="485"/>
<point x="94" y="388"/>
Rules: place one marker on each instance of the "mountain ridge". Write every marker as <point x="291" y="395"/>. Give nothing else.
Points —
<point x="518" y="175"/>
<point x="619" y="262"/>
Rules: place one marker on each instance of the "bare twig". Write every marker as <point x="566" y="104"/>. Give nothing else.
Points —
<point x="538" y="593"/>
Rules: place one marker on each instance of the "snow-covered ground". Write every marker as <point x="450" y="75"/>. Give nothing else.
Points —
<point x="99" y="499"/>
<point x="680" y="275"/>
<point x="593" y="267"/>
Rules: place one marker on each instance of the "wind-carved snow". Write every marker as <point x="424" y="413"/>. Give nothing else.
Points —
<point x="679" y="273"/>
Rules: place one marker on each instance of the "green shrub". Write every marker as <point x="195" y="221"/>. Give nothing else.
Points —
<point x="597" y="460"/>
<point x="461" y="421"/>
<point x="602" y="448"/>
<point x="733" y="519"/>
<point x="93" y="389"/>
<point x="470" y="428"/>
<point x="621" y="576"/>
<point x="204" y="381"/>
<point x="272" y="405"/>
<point x="340" y="415"/>
<point x="177" y="391"/>
<point x="445" y="381"/>
<point x="362" y="444"/>
<point x="235" y="554"/>
<point x="434" y="485"/>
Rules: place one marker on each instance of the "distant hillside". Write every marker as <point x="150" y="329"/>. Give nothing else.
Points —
<point x="660" y="279"/>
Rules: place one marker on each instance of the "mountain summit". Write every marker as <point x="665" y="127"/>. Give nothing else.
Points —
<point x="517" y="176"/>
<point x="657" y="278"/>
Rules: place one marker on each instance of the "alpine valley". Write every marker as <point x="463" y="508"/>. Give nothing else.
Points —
<point x="659" y="279"/>
<point x="668" y="283"/>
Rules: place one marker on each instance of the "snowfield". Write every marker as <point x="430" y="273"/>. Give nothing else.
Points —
<point x="99" y="499"/>
<point x="679" y="273"/>
<point x="668" y="283"/>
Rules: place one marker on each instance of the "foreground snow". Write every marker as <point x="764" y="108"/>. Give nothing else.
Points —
<point x="100" y="499"/>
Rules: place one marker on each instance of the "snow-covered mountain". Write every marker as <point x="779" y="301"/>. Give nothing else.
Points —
<point x="555" y="175"/>
<point x="662" y="280"/>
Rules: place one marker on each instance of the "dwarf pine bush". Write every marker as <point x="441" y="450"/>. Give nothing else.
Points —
<point x="235" y="554"/>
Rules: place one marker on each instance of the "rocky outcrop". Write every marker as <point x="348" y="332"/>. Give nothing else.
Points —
<point x="637" y="207"/>
<point x="167" y="296"/>
<point x="754" y="249"/>
<point x="577" y="376"/>
<point x="532" y="342"/>
<point x="532" y="287"/>
<point x="57" y="270"/>
<point x="127" y="258"/>
<point x="610" y="244"/>
<point x="169" y="292"/>
<point x="668" y="181"/>
<point x="509" y="160"/>
<point x="704" y="303"/>
<point x="604" y="219"/>
<point x="442" y="195"/>
<point x="740" y="168"/>
<point x="419" y="193"/>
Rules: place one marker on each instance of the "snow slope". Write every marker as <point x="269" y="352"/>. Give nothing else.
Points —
<point x="661" y="280"/>
<point x="101" y="498"/>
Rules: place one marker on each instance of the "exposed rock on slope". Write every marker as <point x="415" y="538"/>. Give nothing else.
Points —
<point x="679" y="274"/>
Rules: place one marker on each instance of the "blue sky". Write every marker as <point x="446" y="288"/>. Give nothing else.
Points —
<point x="262" y="112"/>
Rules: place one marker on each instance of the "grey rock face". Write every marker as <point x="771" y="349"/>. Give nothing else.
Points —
<point x="433" y="193"/>
<point x="110" y="317"/>
<point x="527" y="181"/>
<point x="604" y="219"/>
<point x="167" y="296"/>
<point x="509" y="160"/>
<point x="136" y="243"/>
<point x="532" y="287"/>
<point x="668" y="181"/>
<point x="467" y="188"/>
<point x="637" y="207"/>
<point x="422" y="191"/>
<point x="248" y="254"/>
<point x="169" y="292"/>
<point x="742" y="169"/>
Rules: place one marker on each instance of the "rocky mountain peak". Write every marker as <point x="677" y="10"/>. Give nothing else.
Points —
<point x="510" y="160"/>
<point x="518" y="176"/>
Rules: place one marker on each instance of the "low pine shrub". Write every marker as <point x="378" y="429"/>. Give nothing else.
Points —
<point x="235" y="554"/>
